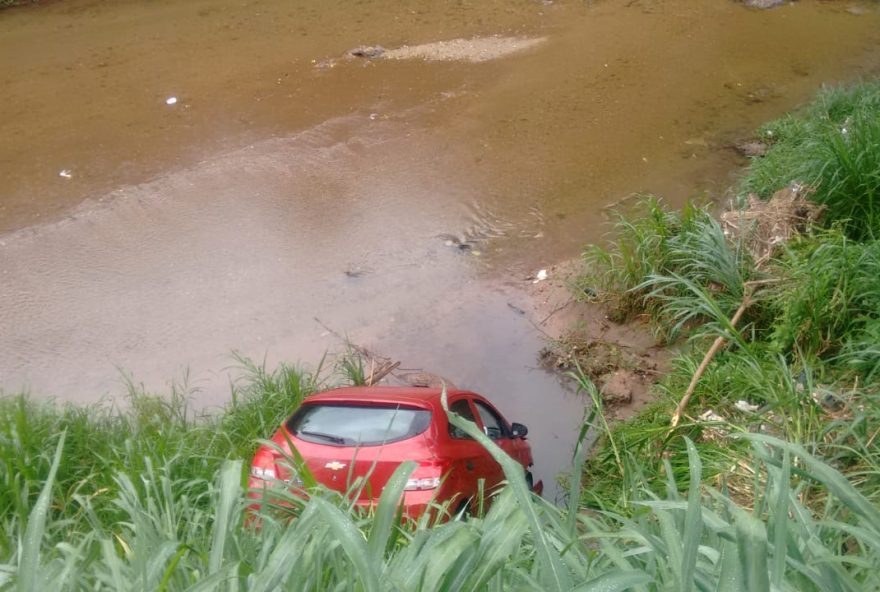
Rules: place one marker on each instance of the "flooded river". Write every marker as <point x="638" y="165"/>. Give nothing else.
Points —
<point x="289" y="180"/>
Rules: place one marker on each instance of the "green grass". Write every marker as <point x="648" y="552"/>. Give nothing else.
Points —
<point x="832" y="145"/>
<point x="195" y="534"/>
<point x="150" y="498"/>
<point x="678" y="266"/>
<point x="803" y="365"/>
<point x="829" y="307"/>
<point x="149" y="435"/>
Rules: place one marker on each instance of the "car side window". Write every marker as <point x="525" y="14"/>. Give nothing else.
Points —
<point x="493" y="425"/>
<point x="461" y="408"/>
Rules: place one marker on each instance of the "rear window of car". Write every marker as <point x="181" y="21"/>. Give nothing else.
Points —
<point x="357" y="425"/>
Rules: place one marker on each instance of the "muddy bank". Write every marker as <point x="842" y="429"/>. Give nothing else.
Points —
<point x="624" y="360"/>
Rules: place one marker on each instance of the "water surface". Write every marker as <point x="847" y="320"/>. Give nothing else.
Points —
<point x="289" y="183"/>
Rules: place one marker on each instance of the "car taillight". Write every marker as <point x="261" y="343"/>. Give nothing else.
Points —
<point x="426" y="477"/>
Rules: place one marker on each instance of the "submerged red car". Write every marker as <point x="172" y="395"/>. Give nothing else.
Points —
<point x="354" y="432"/>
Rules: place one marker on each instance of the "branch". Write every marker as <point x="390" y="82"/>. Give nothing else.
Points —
<point x="716" y="346"/>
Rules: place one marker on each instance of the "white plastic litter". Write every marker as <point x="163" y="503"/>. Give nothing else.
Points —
<point x="746" y="406"/>
<point x="171" y="101"/>
<point x="65" y="173"/>
<point x="541" y="276"/>
<point x="710" y="415"/>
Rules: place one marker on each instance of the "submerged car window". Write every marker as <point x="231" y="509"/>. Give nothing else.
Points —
<point x="461" y="408"/>
<point x="357" y="425"/>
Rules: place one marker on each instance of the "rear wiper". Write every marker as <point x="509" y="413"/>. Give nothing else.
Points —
<point x="323" y="436"/>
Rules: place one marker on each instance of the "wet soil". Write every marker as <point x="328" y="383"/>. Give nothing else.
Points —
<point x="623" y="359"/>
<point x="402" y="202"/>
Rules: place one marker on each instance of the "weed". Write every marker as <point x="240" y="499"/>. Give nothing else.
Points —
<point x="833" y="146"/>
<point x="176" y="534"/>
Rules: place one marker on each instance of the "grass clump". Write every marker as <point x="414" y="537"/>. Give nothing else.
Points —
<point x="677" y="266"/>
<point x="832" y="146"/>
<point x="829" y="307"/>
<point x="153" y="436"/>
<point x="198" y="534"/>
<point x="801" y="366"/>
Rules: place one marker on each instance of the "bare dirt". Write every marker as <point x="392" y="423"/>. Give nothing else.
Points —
<point x="622" y="359"/>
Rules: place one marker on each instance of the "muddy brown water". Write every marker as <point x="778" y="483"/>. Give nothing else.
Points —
<point x="228" y="220"/>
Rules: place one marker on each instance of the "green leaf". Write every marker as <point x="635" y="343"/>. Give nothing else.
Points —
<point x="752" y="546"/>
<point x="552" y="570"/>
<point x="352" y="541"/>
<point x="230" y="493"/>
<point x="780" y="522"/>
<point x="693" y="521"/>
<point x="386" y="512"/>
<point x="618" y="581"/>
<point x="33" y="537"/>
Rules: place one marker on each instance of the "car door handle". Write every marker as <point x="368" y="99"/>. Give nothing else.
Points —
<point x="469" y="466"/>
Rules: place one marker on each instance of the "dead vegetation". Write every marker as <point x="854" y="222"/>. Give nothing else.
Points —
<point x="763" y="225"/>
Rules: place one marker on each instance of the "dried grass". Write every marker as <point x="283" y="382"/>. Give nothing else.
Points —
<point x="763" y="225"/>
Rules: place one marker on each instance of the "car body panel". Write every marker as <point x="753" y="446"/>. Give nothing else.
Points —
<point x="464" y="465"/>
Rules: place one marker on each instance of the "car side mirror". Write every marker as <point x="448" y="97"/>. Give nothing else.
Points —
<point x="518" y="430"/>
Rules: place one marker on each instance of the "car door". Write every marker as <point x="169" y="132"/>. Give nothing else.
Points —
<point x="494" y="426"/>
<point x="472" y="462"/>
<point x="497" y="428"/>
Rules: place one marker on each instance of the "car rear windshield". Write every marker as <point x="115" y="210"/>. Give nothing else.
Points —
<point x="357" y="425"/>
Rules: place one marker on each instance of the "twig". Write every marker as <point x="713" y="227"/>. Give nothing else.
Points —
<point x="623" y="199"/>
<point x="329" y="330"/>
<point x="380" y="366"/>
<point x="384" y="370"/>
<point x="555" y="310"/>
<point x="717" y="345"/>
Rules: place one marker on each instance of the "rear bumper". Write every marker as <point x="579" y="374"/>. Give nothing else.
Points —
<point x="415" y="503"/>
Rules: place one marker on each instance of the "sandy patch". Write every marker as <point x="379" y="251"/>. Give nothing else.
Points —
<point x="478" y="49"/>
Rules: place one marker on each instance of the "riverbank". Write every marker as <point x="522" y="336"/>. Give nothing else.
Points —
<point x="774" y="308"/>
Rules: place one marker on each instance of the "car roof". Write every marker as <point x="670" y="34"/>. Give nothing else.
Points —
<point x="418" y="396"/>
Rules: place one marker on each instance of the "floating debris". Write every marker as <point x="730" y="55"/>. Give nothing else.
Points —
<point x="171" y="101"/>
<point x="65" y="173"/>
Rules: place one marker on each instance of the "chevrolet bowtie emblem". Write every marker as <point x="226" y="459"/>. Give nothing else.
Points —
<point x="334" y="465"/>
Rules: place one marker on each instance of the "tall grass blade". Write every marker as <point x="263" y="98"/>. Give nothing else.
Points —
<point x="33" y="537"/>
<point x="386" y="512"/>
<point x="352" y="542"/>
<point x="553" y="573"/>
<point x="693" y="521"/>
<point x="832" y="479"/>
<point x="615" y="582"/>
<point x="752" y="546"/>
<point x="780" y="522"/>
<point x="229" y="485"/>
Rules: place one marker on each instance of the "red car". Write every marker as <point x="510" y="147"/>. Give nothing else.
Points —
<point x="377" y="428"/>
